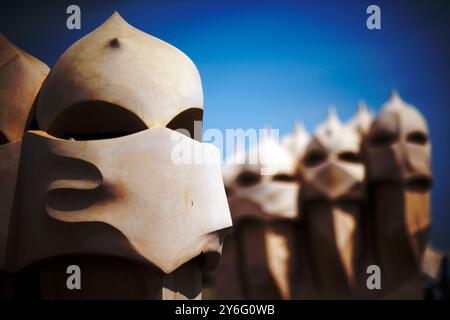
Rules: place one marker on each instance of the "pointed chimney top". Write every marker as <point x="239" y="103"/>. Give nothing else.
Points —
<point x="332" y="122"/>
<point x="395" y="102"/>
<point x="362" y="120"/>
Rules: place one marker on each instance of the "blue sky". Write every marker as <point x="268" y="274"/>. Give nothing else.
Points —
<point x="269" y="63"/>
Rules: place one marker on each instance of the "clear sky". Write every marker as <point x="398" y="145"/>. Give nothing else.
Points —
<point x="269" y="63"/>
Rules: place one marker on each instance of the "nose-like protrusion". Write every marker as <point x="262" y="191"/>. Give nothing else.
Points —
<point x="417" y="167"/>
<point x="212" y="249"/>
<point x="332" y="176"/>
<point x="333" y="181"/>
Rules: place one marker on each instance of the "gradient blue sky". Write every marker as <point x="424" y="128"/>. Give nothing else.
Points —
<point x="273" y="62"/>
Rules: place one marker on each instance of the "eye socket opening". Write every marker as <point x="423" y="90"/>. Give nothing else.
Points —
<point x="417" y="137"/>
<point x="3" y="138"/>
<point x="247" y="179"/>
<point x="95" y="120"/>
<point x="189" y="123"/>
<point x="314" y="158"/>
<point x="349" y="156"/>
<point x="419" y="183"/>
<point x="283" y="177"/>
<point x="382" y="139"/>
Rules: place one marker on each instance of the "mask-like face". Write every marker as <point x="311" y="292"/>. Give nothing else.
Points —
<point x="331" y="168"/>
<point x="100" y="178"/>
<point x="263" y="203"/>
<point x="398" y="146"/>
<point x="21" y="76"/>
<point x="267" y="179"/>
<point x="165" y="211"/>
<point x="398" y="152"/>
